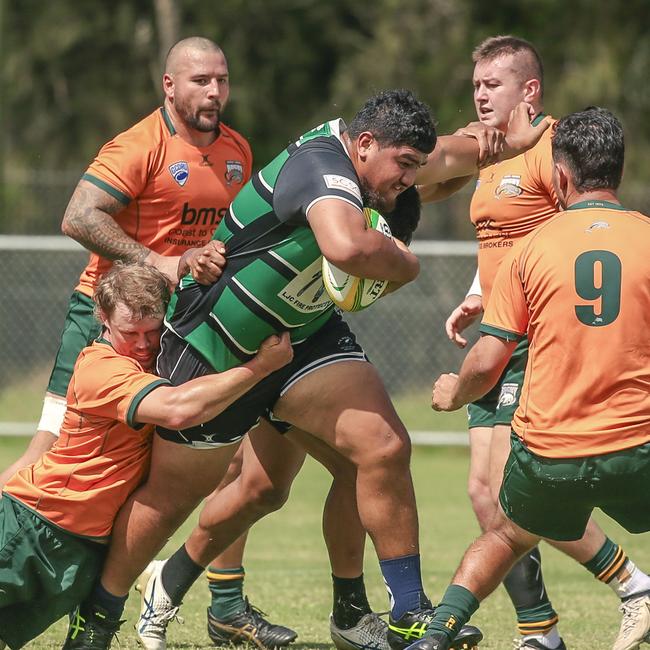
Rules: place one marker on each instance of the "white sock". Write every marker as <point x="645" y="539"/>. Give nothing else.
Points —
<point x="630" y="580"/>
<point x="550" y="639"/>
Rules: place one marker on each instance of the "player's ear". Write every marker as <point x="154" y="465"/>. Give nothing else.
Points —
<point x="103" y="318"/>
<point x="532" y="90"/>
<point x="560" y="181"/>
<point x="168" y="86"/>
<point x="365" y="141"/>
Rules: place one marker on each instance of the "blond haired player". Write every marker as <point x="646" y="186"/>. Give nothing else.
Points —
<point x="154" y="193"/>
<point x="513" y="198"/>
<point x="56" y="515"/>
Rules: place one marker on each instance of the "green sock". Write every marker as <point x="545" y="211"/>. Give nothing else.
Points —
<point x="607" y="562"/>
<point x="227" y="589"/>
<point x="455" y="609"/>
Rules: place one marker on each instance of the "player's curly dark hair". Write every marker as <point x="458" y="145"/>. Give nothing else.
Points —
<point x="405" y="216"/>
<point x="396" y="118"/>
<point x="591" y="144"/>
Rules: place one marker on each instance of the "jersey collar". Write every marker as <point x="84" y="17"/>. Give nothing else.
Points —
<point x="538" y="118"/>
<point x="596" y="204"/>
<point x="337" y="127"/>
<point x="167" y="121"/>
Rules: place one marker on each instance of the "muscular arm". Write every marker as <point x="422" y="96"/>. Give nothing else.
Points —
<point x="441" y="191"/>
<point x="460" y="155"/>
<point x="345" y="241"/>
<point x="480" y="371"/>
<point x="90" y="220"/>
<point x="203" y="398"/>
<point x="454" y="156"/>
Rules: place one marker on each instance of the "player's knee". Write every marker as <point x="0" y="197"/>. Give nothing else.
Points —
<point x="514" y="537"/>
<point x="479" y="495"/>
<point x="391" y="446"/>
<point x="266" y="498"/>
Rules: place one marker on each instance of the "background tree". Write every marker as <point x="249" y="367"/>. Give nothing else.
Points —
<point x="76" y="73"/>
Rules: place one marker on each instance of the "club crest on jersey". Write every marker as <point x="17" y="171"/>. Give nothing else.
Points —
<point x="180" y="172"/>
<point x="234" y="172"/>
<point x="509" y="186"/>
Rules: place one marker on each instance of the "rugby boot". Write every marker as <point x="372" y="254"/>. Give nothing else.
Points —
<point x="156" y="608"/>
<point x="91" y="630"/>
<point x="635" y="625"/>
<point x="411" y="628"/>
<point x="249" y="626"/>
<point x="368" y="634"/>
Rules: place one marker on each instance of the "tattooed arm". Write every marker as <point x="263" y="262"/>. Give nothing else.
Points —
<point x="90" y="220"/>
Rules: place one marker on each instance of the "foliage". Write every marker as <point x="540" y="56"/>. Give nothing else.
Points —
<point x="74" y="74"/>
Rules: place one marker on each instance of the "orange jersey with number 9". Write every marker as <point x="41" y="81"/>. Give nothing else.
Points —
<point x="579" y="286"/>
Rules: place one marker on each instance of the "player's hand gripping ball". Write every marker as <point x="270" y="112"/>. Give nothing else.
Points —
<point x="348" y="292"/>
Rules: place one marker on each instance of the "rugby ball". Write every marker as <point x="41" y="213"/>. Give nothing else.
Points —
<point x="348" y="292"/>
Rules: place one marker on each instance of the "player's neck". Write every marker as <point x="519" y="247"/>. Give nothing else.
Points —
<point x="538" y="112"/>
<point x="593" y="196"/>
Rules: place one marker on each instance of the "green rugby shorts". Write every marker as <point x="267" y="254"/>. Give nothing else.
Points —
<point x="45" y="572"/>
<point x="554" y="497"/>
<point x="79" y="330"/>
<point x="499" y="405"/>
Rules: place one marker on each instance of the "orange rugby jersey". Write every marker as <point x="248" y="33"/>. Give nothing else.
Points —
<point x="579" y="287"/>
<point x="511" y="199"/>
<point x="100" y="457"/>
<point x="174" y="193"/>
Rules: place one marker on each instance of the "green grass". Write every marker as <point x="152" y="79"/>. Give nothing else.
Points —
<point x="288" y="573"/>
<point x="22" y="400"/>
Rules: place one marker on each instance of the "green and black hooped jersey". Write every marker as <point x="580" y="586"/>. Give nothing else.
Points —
<point x="272" y="280"/>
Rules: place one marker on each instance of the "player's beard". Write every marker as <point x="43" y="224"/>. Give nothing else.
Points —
<point x="374" y="200"/>
<point x="194" y="120"/>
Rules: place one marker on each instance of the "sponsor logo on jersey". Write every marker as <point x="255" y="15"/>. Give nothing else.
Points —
<point x="336" y="182"/>
<point x="306" y="292"/>
<point x="234" y="172"/>
<point x="205" y="162"/>
<point x="597" y="225"/>
<point x="180" y="172"/>
<point x="508" y="395"/>
<point x="509" y="186"/>
<point x="201" y="216"/>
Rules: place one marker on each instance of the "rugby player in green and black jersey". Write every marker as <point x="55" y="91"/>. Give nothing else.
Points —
<point x="306" y="203"/>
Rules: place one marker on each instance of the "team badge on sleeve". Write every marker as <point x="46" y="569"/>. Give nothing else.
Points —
<point x="234" y="172"/>
<point x="180" y="172"/>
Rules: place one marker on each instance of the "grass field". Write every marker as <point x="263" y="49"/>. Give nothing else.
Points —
<point x="288" y="573"/>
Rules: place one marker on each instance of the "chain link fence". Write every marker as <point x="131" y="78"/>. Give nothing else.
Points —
<point x="403" y="334"/>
